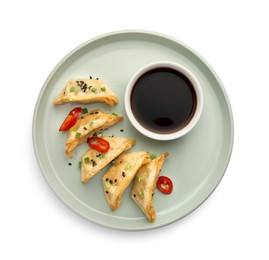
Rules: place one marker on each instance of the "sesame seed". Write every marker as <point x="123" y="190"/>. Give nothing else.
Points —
<point x="93" y="162"/>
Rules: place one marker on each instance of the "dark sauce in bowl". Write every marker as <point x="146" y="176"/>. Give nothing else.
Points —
<point x="163" y="100"/>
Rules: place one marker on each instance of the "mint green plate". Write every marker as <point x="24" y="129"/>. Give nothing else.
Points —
<point x="197" y="161"/>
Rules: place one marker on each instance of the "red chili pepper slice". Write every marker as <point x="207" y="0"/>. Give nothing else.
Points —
<point x="71" y="119"/>
<point x="99" y="144"/>
<point x="165" y="185"/>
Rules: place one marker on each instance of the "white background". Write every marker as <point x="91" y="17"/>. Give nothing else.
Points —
<point x="231" y="35"/>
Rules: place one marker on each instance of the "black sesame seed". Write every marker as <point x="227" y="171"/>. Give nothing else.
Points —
<point x="107" y="179"/>
<point x="97" y="78"/>
<point x="90" y="77"/>
<point x="134" y="195"/>
<point x="70" y="163"/>
<point x="123" y="174"/>
<point x="115" y="180"/>
<point x="122" y="130"/>
<point x="107" y="191"/>
<point x="80" y="84"/>
<point x="85" y="128"/>
<point x="96" y="112"/>
<point x="93" y="162"/>
<point x="111" y="182"/>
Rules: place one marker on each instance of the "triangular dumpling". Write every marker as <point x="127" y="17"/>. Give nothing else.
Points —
<point x="145" y="184"/>
<point x="120" y="174"/>
<point x="86" y="90"/>
<point x="93" y="161"/>
<point x="89" y="124"/>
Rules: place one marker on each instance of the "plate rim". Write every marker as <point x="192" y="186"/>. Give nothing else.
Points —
<point x="88" y="42"/>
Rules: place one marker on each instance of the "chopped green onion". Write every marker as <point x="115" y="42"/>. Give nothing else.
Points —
<point x="128" y="166"/>
<point x="101" y="156"/>
<point x="114" y="114"/>
<point x="84" y="110"/>
<point x="139" y="178"/>
<point x="93" y="90"/>
<point x="108" y="184"/>
<point x="153" y="156"/>
<point x="103" y="89"/>
<point x="72" y="89"/>
<point x="79" y="164"/>
<point x="87" y="160"/>
<point x="78" y="134"/>
<point x="91" y="123"/>
<point x="141" y="193"/>
<point x="73" y="128"/>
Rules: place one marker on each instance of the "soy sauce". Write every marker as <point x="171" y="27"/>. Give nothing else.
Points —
<point x="163" y="100"/>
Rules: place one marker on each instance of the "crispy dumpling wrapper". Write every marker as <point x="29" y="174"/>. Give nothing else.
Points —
<point x="93" y="161"/>
<point x="145" y="184"/>
<point x="85" y="91"/>
<point x="120" y="174"/>
<point x="91" y="123"/>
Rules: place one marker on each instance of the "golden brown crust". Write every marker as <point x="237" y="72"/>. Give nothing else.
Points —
<point x="145" y="185"/>
<point x="120" y="174"/>
<point x="91" y="123"/>
<point x="85" y="91"/>
<point x="93" y="161"/>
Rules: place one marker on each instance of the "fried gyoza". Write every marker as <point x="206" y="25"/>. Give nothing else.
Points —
<point x="93" y="161"/>
<point x="89" y="124"/>
<point x="85" y="91"/>
<point x="145" y="185"/>
<point x="120" y="174"/>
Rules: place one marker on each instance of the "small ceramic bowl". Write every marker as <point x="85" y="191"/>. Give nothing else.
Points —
<point x="164" y="125"/>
